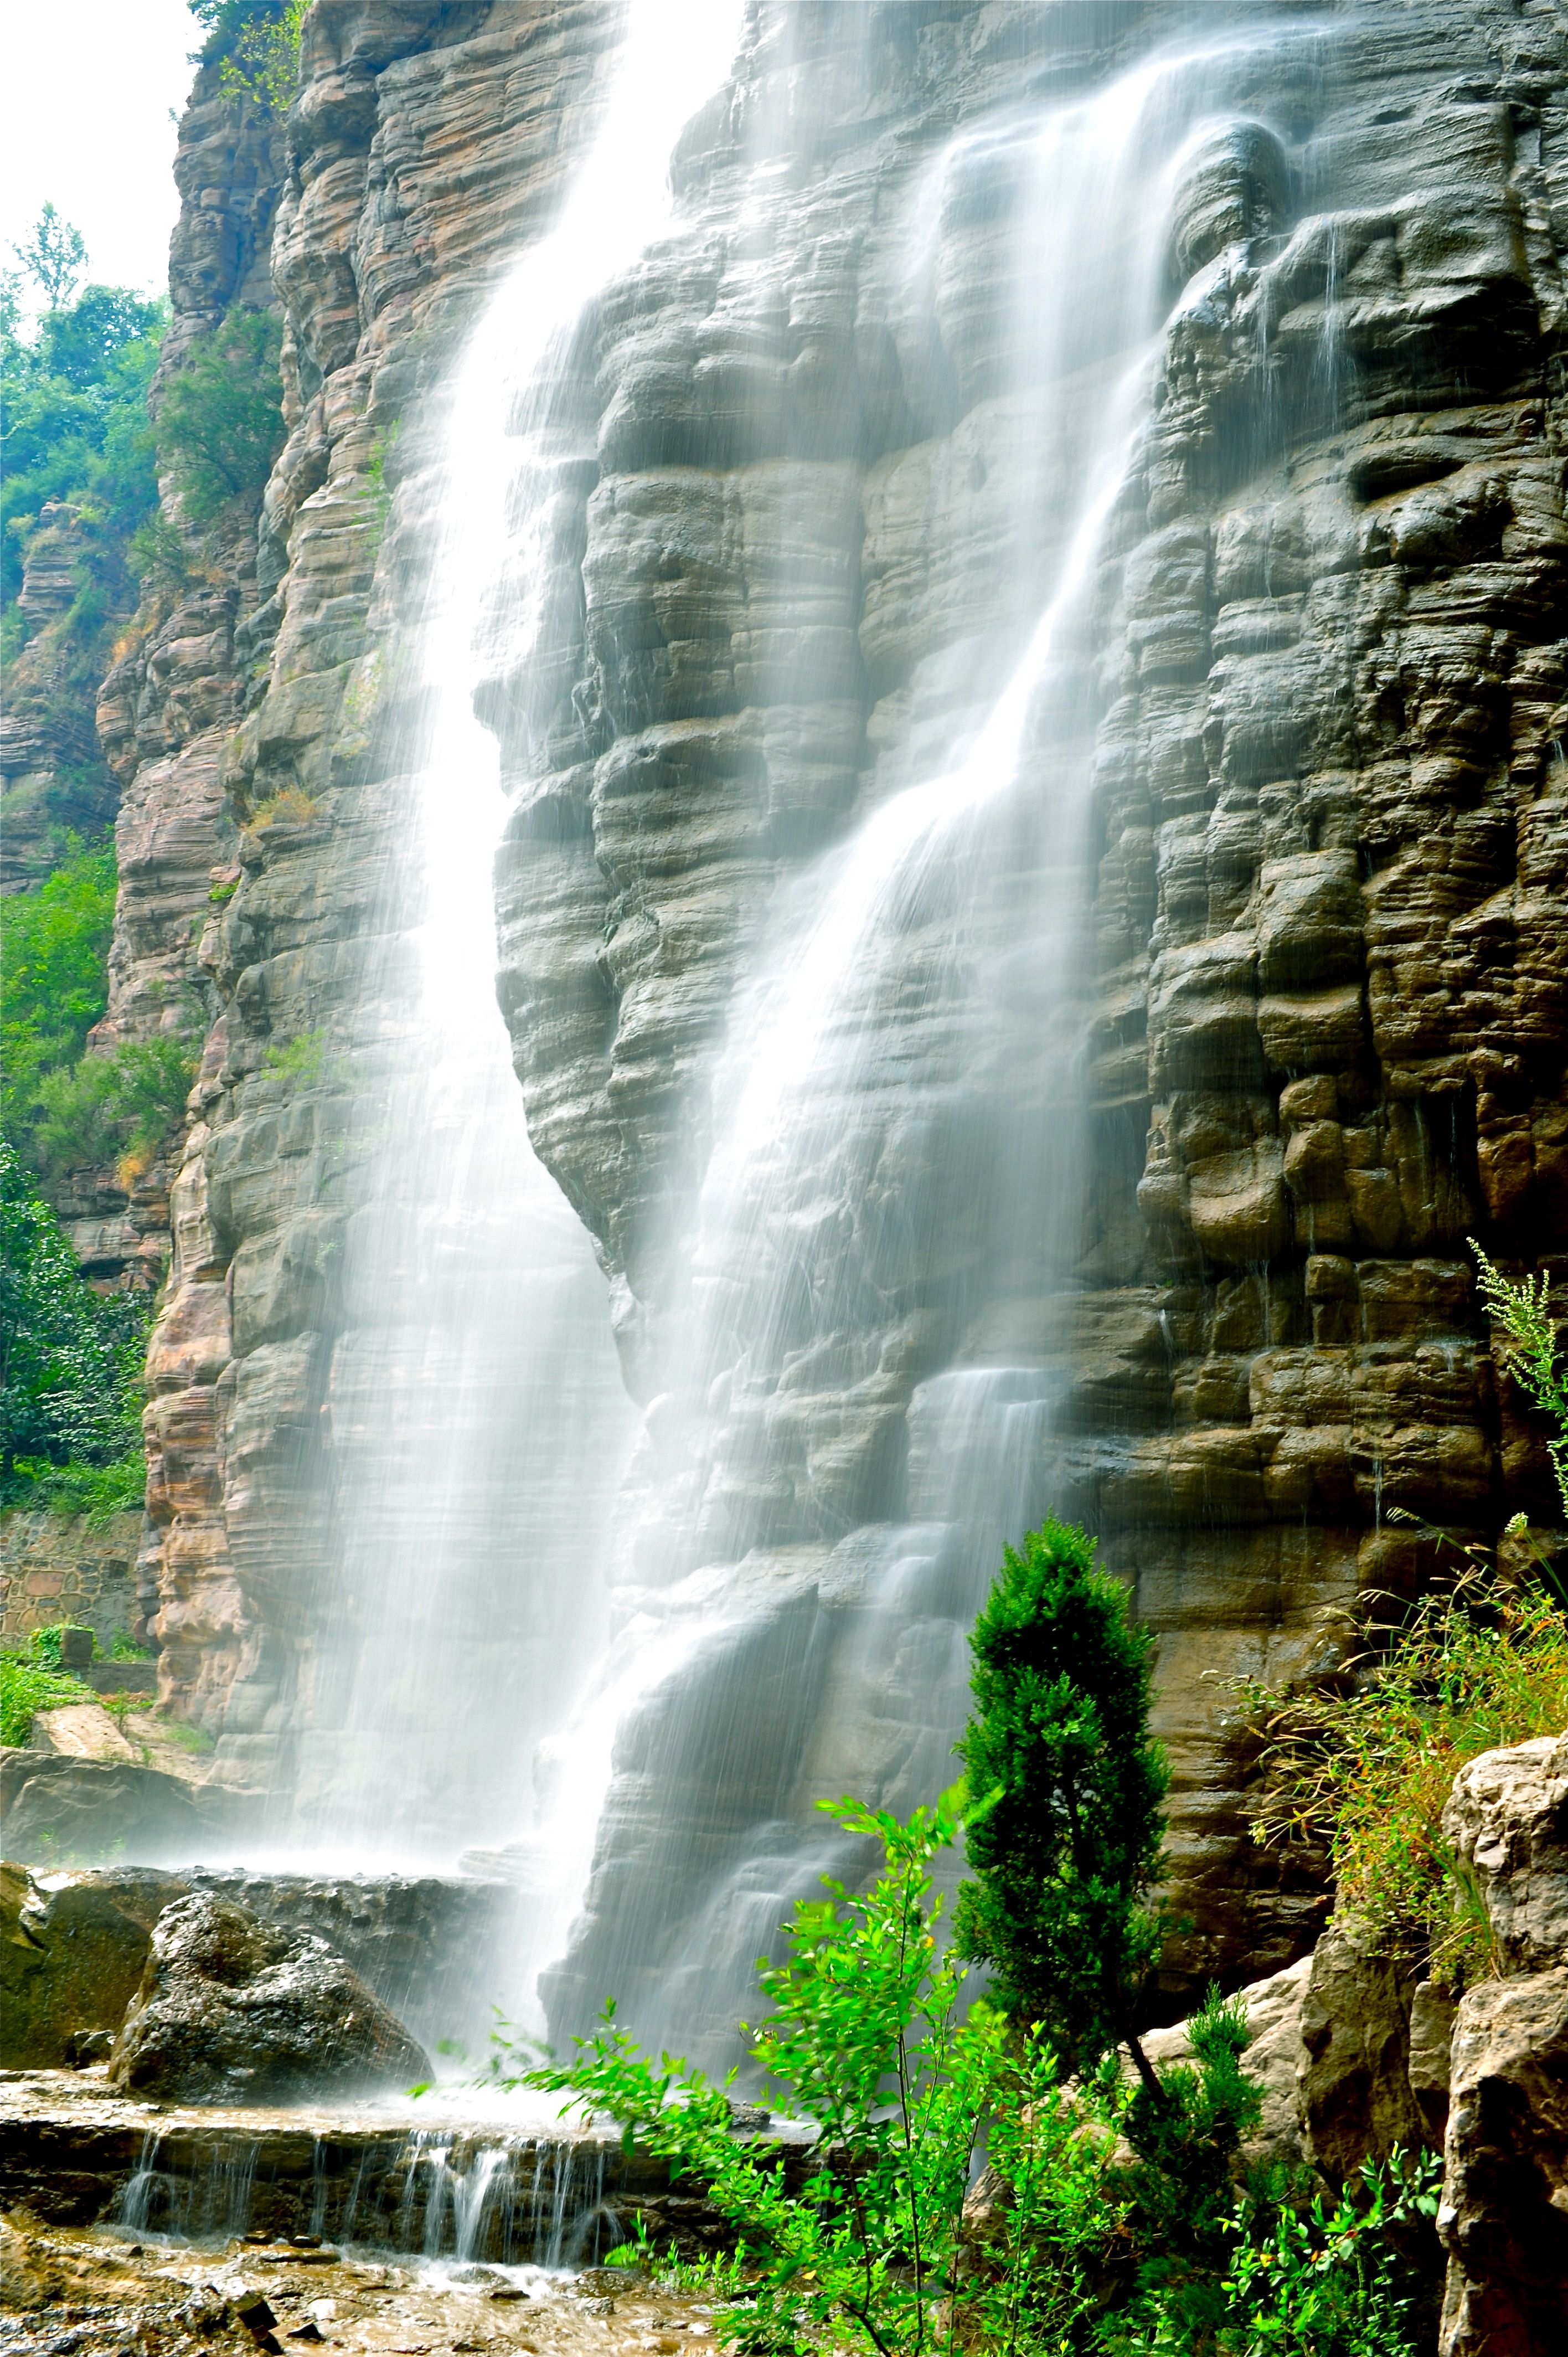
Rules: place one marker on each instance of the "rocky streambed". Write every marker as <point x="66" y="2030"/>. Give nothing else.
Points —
<point x="92" y="2289"/>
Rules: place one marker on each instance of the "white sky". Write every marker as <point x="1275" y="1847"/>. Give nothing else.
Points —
<point x="89" y="85"/>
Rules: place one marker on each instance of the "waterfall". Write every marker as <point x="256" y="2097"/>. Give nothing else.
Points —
<point x="630" y="1660"/>
<point x="478" y="1420"/>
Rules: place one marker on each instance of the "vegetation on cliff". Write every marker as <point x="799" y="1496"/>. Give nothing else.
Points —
<point x="1357" y="1769"/>
<point x="70" y="1362"/>
<point x="76" y="430"/>
<point x="219" y="424"/>
<point x="61" y="1108"/>
<point x="80" y="482"/>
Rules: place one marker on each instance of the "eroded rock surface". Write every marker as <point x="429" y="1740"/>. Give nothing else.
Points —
<point x="1507" y="1820"/>
<point x="1354" y="2089"/>
<point x="232" y="2010"/>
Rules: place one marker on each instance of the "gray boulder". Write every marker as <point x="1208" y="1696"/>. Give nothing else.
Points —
<point x="1507" y="1820"/>
<point x="1504" y="2220"/>
<point x="232" y="2011"/>
<point x="1353" y="2082"/>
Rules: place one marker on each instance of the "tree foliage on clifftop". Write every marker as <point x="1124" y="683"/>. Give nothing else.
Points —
<point x="257" y="42"/>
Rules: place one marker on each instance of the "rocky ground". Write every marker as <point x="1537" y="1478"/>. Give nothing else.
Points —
<point x="92" y="2289"/>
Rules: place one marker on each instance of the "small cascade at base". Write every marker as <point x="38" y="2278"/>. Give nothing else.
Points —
<point x="557" y="2202"/>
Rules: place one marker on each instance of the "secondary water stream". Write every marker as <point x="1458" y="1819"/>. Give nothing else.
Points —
<point x="477" y="1418"/>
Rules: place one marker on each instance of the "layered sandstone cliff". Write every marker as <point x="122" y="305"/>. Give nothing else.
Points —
<point x="1329" y="1005"/>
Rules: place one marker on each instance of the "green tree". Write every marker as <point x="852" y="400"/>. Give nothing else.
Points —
<point x="220" y="423"/>
<point x="74" y="397"/>
<point x="1068" y="1850"/>
<point x="53" y="257"/>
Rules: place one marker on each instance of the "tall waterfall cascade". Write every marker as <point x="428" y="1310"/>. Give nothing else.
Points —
<point x="764" y="1191"/>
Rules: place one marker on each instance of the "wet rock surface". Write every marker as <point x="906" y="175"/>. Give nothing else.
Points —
<point x="386" y="2173"/>
<point x="230" y="2008"/>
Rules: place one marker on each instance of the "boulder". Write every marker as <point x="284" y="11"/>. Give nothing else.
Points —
<point x="62" y="1810"/>
<point x="1353" y="2085"/>
<point x="1504" y="2220"/>
<point x="232" y="2010"/>
<point x="1508" y="1819"/>
<point x="73" y="1948"/>
<point x="1273" y="2058"/>
<point x="80" y="1730"/>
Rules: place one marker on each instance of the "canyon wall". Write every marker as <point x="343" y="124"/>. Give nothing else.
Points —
<point x="1327" y="1002"/>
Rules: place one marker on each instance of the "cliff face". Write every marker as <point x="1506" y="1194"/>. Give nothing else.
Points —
<point x="1328" y="998"/>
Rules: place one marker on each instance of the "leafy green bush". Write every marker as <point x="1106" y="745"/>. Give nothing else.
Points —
<point x="1065" y="1857"/>
<point x="70" y="1359"/>
<point x="1301" y="2276"/>
<point x="868" y="2041"/>
<point x="1078" y="2252"/>
<point x="29" y="1684"/>
<point x="220" y="422"/>
<point x="115" y="1107"/>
